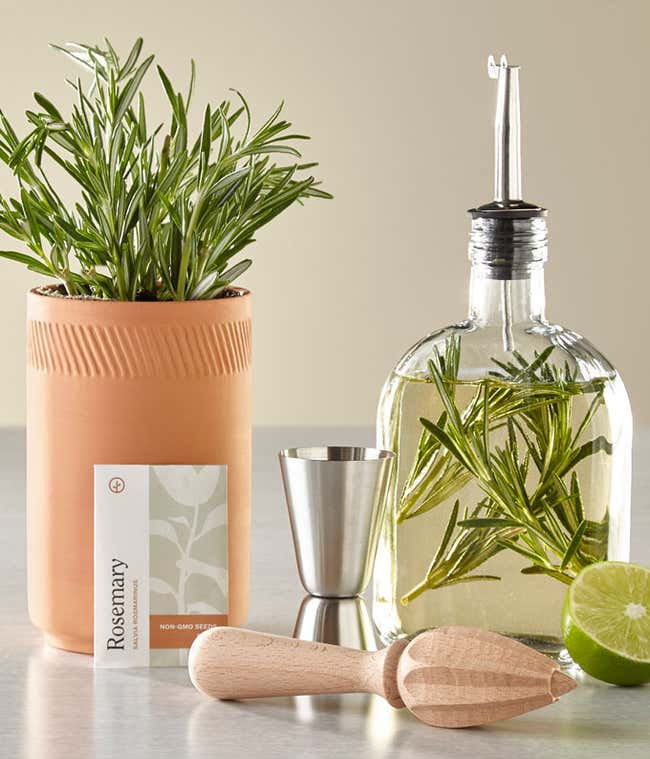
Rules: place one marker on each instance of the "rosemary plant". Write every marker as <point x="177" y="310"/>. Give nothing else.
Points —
<point x="532" y="500"/>
<point x="158" y="216"/>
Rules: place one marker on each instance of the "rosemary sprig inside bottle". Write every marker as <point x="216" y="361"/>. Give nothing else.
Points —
<point x="532" y="501"/>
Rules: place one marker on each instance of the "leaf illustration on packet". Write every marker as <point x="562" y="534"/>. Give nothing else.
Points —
<point x="189" y="514"/>
<point x="187" y="485"/>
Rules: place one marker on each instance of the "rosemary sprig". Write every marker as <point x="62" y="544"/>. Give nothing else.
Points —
<point x="532" y="402"/>
<point x="469" y="549"/>
<point x="158" y="216"/>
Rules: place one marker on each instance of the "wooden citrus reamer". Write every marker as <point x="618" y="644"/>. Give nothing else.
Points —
<point x="447" y="677"/>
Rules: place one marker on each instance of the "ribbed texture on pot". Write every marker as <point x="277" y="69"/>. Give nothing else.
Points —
<point x="170" y="351"/>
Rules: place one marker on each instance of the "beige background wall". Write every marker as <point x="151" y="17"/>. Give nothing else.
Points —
<point x="397" y="100"/>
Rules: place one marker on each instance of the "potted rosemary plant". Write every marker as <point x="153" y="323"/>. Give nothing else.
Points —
<point x="139" y="351"/>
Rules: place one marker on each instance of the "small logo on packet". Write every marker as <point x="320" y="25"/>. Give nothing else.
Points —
<point x="116" y="485"/>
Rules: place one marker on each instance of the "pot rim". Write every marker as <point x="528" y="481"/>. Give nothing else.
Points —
<point x="97" y="312"/>
<point x="38" y="292"/>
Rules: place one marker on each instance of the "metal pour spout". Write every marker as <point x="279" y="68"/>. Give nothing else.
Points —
<point x="507" y="123"/>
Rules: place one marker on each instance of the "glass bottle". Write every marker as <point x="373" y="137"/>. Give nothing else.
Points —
<point x="513" y="439"/>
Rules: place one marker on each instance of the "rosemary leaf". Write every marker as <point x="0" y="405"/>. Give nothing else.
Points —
<point x="453" y="519"/>
<point x="490" y="522"/>
<point x="573" y="545"/>
<point x="541" y="570"/>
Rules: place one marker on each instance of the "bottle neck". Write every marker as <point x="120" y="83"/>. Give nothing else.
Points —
<point x="507" y="251"/>
<point x="506" y="302"/>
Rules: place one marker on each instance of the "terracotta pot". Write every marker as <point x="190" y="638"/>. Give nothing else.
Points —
<point x="131" y="383"/>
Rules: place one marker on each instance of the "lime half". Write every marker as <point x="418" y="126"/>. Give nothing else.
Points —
<point x="606" y="622"/>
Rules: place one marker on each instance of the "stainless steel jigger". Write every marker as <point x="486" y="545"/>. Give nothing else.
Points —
<point x="336" y="497"/>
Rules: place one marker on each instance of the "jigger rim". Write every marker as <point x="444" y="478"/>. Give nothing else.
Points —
<point x="348" y="454"/>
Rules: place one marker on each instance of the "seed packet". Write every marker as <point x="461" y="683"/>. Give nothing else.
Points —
<point x="161" y="563"/>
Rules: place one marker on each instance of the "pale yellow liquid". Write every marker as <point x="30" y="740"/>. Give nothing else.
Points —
<point x="523" y="606"/>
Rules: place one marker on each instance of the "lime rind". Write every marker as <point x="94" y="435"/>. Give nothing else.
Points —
<point x="610" y="603"/>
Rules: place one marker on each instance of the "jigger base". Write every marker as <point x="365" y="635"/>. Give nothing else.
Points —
<point x="340" y="621"/>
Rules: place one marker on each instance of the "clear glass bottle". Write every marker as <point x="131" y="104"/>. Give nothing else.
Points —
<point x="513" y="439"/>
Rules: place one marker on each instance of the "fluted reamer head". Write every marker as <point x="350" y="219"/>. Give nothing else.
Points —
<point x="461" y="676"/>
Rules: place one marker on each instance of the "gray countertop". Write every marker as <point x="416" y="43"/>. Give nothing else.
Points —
<point x="53" y="704"/>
